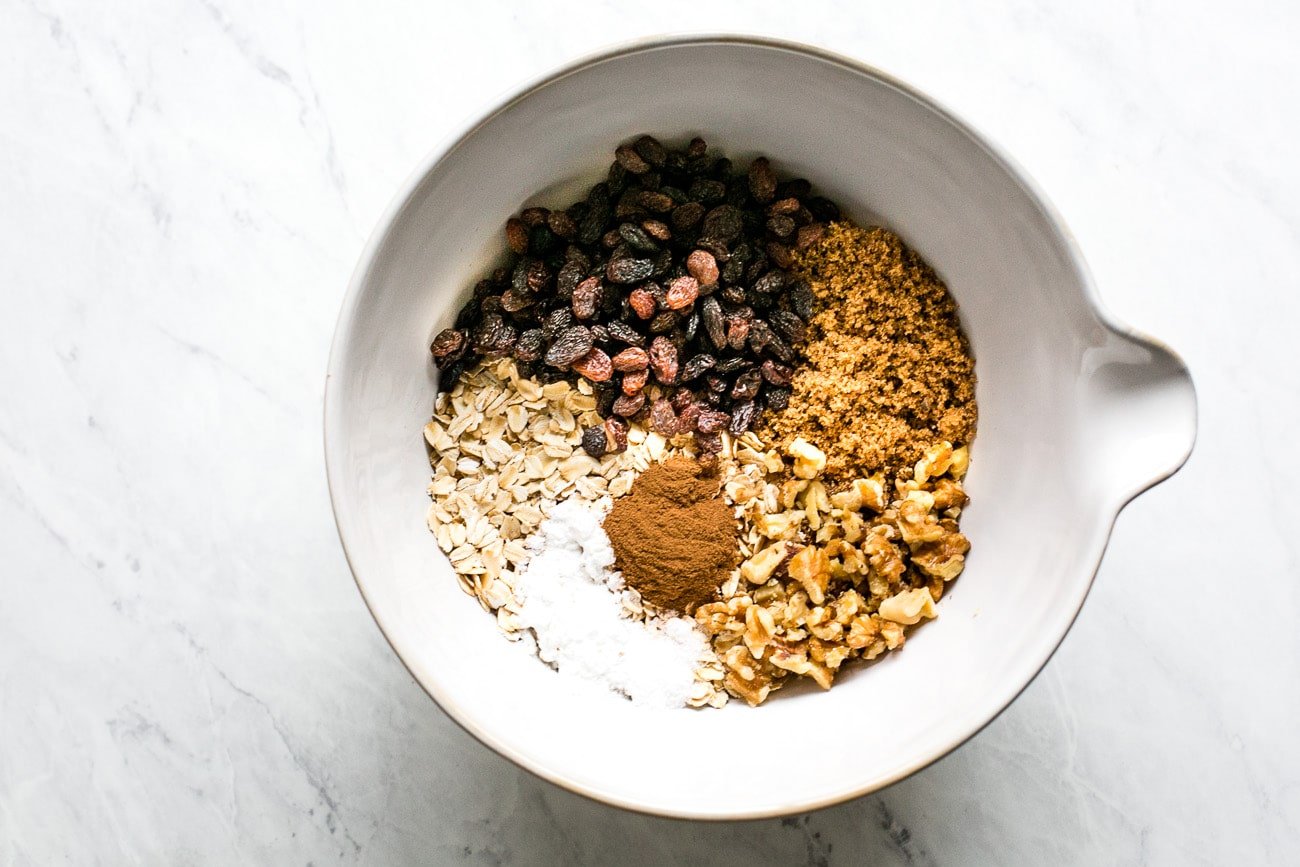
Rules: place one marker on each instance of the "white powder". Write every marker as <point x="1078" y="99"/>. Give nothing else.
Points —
<point x="569" y="595"/>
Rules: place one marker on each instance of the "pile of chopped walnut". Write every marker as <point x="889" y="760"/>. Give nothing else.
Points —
<point x="831" y="577"/>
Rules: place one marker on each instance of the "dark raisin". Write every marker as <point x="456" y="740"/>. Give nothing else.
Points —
<point x="696" y="366"/>
<point x="556" y="321"/>
<point x="823" y="209"/>
<point x="809" y="235"/>
<point x="562" y="225"/>
<point x="714" y="324"/>
<point x="731" y="365"/>
<point x="742" y="416"/>
<point x="662" y="418"/>
<point x="788" y="325"/>
<point x="780" y="350"/>
<point x="630" y="160"/>
<point x="762" y="180"/>
<point x="802" y="300"/>
<point x="448" y="346"/>
<point x="760" y="336"/>
<point x="707" y="191"/>
<point x="534" y="216"/>
<point x="709" y="444"/>
<point x="494" y="336"/>
<point x="570" y="275"/>
<point x="686" y="216"/>
<point x="599" y="334"/>
<point x="594" y="441"/>
<point x="570" y="345"/>
<point x="779" y="254"/>
<point x="637" y="238"/>
<point x="530" y="345"/>
<point x="712" y="421"/>
<point x="650" y="150"/>
<point x="747" y="385"/>
<point x="517" y="235"/>
<point x="542" y="241"/>
<point x="776" y="373"/>
<point x="771" y="282"/>
<point x="780" y="225"/>
<point x="448" y="375"/>
<point x="663" y="323"/>
<point x="723" y="223"/>
<point x="625" y="333"/>
<point x="513" y="301"/>
<point x="777" y="398"/>
<point x="629" y="270"/>
<point x="737" y="331"/>
<point x="586" y="295"/>
<point x="692" y="326"/>
<point x="799" y="188"/>
<point x="611" y="239"/>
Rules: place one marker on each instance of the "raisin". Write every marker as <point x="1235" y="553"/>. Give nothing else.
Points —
<point x="688" y="417"/>
<point x="728" y="366"/>
<point x="629" y="270"/>
<point x="788" y="325"/>
<point x="777" y="374"/>
<point x="663" y="360"/>
<point x="448" y="346"/>
<point x="747" y="385"/>
<point x="762" y="180"/>
<point x="631" y="358"/>
<point x="634" y="381"/>
<point x="643" y="303"/>
<point x="630" y="160"/>
<point x="712" y="421"/>
<point x="586" y="295"/>
<point x="682" y="293"/>
<point x="625" y="333"/>
<point x="809" y="235"/>
<point x="780" y="225"/>
<point x="696" y="366"/>
<point x="714" y="324"/>
<point x="594" y="440"/>
<point x="517" y="235"/>
<point x="709" y="444"/>
<point x="783" y="206"/>
<point x="562" y="225"/>
<point x="723" y="223"/>
<point x="650" y="150"/>
<point x="780" y="254"/>
<point x="657" y="230"/>
<point x="802" y="300"/>
<point x="637" y="238"/>
<point x="770" y="283"/>
<point x="662" y="418"/>
<point x="628" y="405"/>
<point x="663" y="323"/>
<point x="742" y="417"/>
<point x="737" y="332"/>
<point x="777" y="399"/>
<point x="494" y="336"/>
<point x="595" y="366"/>
<point x="530" y="345"/>
<point x="684" y="217"/>
<point x="513" y="301"/>
<point x="570" y="345"/>
<point x="556" y="321"/>
<point x="569" y="276"/>
<point x="703" y="267"/>
<point x="542" y="241"/>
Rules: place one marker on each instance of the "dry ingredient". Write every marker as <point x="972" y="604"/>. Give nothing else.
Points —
<point x="886" y="370"/>
<point x="829" y="577"/>
<point x="674" y="537"/>
<point x="620" y="370"/>
<point x="672" y="272"/>
<point x="569" y="598"/>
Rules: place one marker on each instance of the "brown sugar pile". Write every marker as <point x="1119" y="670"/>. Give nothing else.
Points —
<point x="674" y="537"/>
<point x="887" y="371"/>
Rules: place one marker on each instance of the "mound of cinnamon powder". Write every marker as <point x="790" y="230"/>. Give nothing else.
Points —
<point x="674" y="537"/>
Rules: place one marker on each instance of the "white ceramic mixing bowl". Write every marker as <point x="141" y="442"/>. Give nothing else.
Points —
<point x="1078" y="414"/>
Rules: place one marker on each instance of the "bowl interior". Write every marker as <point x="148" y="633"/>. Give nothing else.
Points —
<point x="884" y="155"/>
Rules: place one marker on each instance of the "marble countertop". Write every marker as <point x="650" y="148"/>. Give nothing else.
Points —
<point x="187" y="672"/>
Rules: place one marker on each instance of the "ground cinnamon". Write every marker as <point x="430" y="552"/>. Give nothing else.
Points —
<point x="674" y="536"/>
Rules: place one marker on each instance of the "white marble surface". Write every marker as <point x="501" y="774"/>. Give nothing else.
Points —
<point x="187" y="673"/>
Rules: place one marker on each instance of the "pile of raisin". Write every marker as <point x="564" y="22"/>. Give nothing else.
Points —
<point x="673" y="270"/>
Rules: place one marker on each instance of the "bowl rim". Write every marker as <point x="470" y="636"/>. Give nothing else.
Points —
<point x="457" y="137"/>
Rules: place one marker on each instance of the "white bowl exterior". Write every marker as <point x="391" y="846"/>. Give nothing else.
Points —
<point x="1052" y="463"/>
